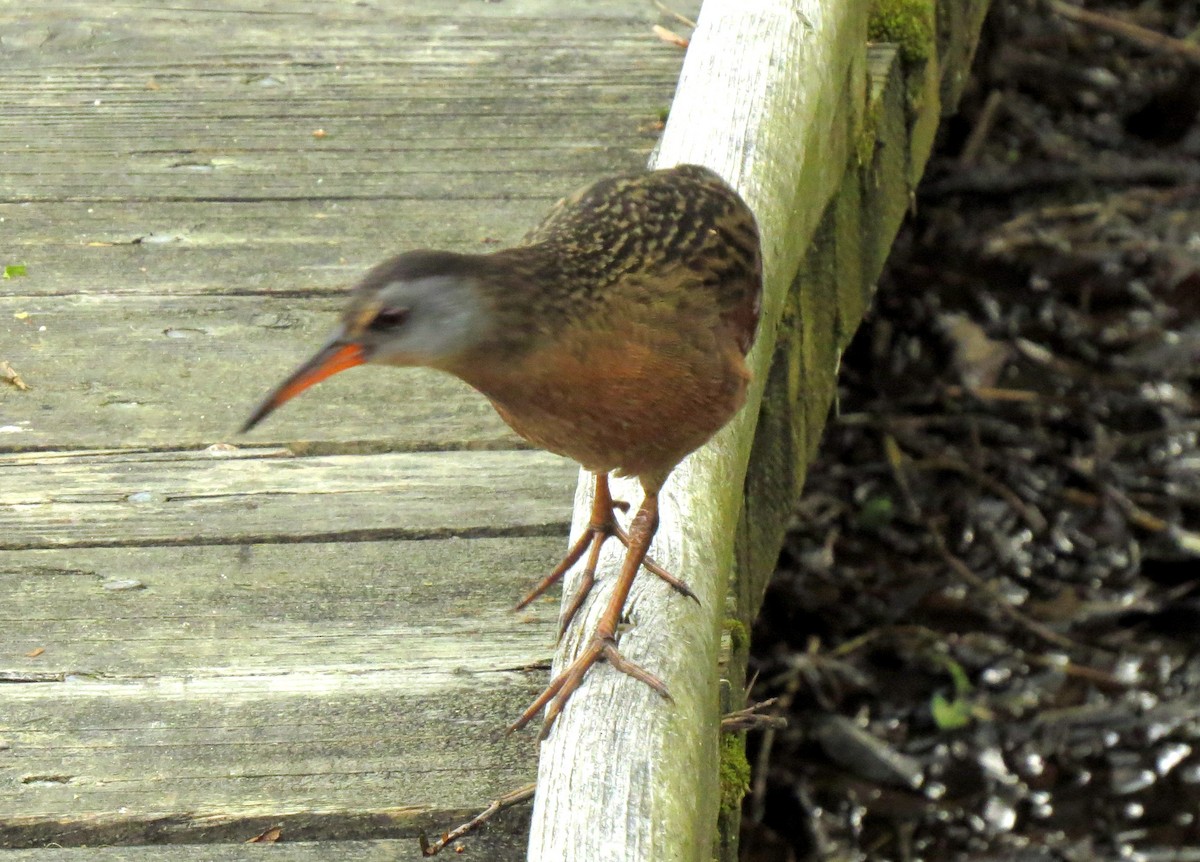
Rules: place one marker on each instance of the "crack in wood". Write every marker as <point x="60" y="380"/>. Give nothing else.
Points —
<point x="380" y="534"/>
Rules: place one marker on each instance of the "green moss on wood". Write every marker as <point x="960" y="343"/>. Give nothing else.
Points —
<point x="735" y="773"/>
<point x="739" y="635"/>
<point x="909" y="24"/>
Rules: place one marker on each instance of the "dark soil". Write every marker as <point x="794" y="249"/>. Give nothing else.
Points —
<point x="984" y="628"/>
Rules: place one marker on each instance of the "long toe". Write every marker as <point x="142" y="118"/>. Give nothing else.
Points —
<point x="563" y="686"/>
<point x="624" y="665"/>
<point x="555" y="576"/>
<point x="655" y="569"/>
<point x="560" y="689"/>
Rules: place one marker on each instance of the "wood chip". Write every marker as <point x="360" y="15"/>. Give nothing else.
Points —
<point x="8" y="375"/>
<point x="268" y="836"/>
<point x="669" y="36"/>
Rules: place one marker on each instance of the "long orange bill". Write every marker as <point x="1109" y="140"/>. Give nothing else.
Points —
<point x="337" y="355"/>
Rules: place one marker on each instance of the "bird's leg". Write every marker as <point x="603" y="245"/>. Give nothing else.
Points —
<point x="603" y="644"/>
<point x="601" y="525"/>
<point x="656" y="569"/>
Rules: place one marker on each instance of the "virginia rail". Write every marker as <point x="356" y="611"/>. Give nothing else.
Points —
<point x="614" y="334"/>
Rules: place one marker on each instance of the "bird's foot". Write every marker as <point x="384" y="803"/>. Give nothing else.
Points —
<point x="603" y="644"/>
<point x="654" y="568"/>
<point x="600" y="648"/>
<point x="602" y="524"/>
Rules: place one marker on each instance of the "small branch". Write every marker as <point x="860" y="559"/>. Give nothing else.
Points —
<point x="1002" y="604"/>
<point x="1185" y="539"/>
<point x="997" y="393"/>
<point x="1033" y="518"/>
<point x="753" y="718"/>
<point x="667" y="10"/>
<point x="508" y="800"/>
<point x="969" y="156"/>
<point x="1150" y="39"/>
<point x="1039" y="175"/>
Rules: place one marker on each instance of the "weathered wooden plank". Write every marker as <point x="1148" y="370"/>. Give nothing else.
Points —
<point x="420" y="33"/>
<point x="366" y="179"/>
<point x="320" y="608"/>
<point x="504" y="839"/>
<point x="426" y="99"/>
<point x="173" y="249"/>
<point x="157" y="371"/>
<point x="323" y="687"/>
<point x="190" y="498"/>
<point x="206" y="131"/>
<point x="446" y="131"/>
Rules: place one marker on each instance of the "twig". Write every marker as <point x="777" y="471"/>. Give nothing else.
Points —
<point x="1033" y="519"/>
<point x="1149" y="39"/>
<point x="667" y="10"/>
<point x="1002" y="604"/>
<point x="1187" y="540"/>
<point x="1079" y="671"/>
<point x="757" y="805"/>
<point x="753" y="717"/>
<point x="896" y="459"/>
<point x="964" y="572"/>
<point x="979" y="133"/>
<point x="1000" y="393"/>
<point x="1042" y="174"/>
<point x="508" y="800"/>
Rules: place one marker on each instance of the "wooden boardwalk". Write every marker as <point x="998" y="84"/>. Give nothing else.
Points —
<point x="202" y="636"/>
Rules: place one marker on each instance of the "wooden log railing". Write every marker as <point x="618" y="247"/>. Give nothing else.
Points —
<point x="825" y="137"/>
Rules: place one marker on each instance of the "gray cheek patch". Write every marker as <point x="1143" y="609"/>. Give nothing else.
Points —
<point x="446" y="315"/>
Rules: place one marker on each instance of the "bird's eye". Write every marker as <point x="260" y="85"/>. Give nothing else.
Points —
<point x="389" y="318"/>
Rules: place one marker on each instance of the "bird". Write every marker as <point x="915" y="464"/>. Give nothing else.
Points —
<point x="614" y="334"/>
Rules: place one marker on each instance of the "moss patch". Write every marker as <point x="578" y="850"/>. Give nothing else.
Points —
<point x="739" y="636"/>
<point x="735" y="773"/>
<point x="909" y="24"/>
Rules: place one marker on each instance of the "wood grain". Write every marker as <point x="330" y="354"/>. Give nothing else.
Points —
<point x="183" y="498"/>
<point x="239" y="684"/>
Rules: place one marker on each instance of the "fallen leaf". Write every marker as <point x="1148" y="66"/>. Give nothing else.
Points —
<point x="35" y="652"/>
<point x="978" y="358"/>
<point x="14" y="270"/>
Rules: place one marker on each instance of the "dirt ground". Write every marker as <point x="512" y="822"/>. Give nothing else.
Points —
<point x="984" y="627"/>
